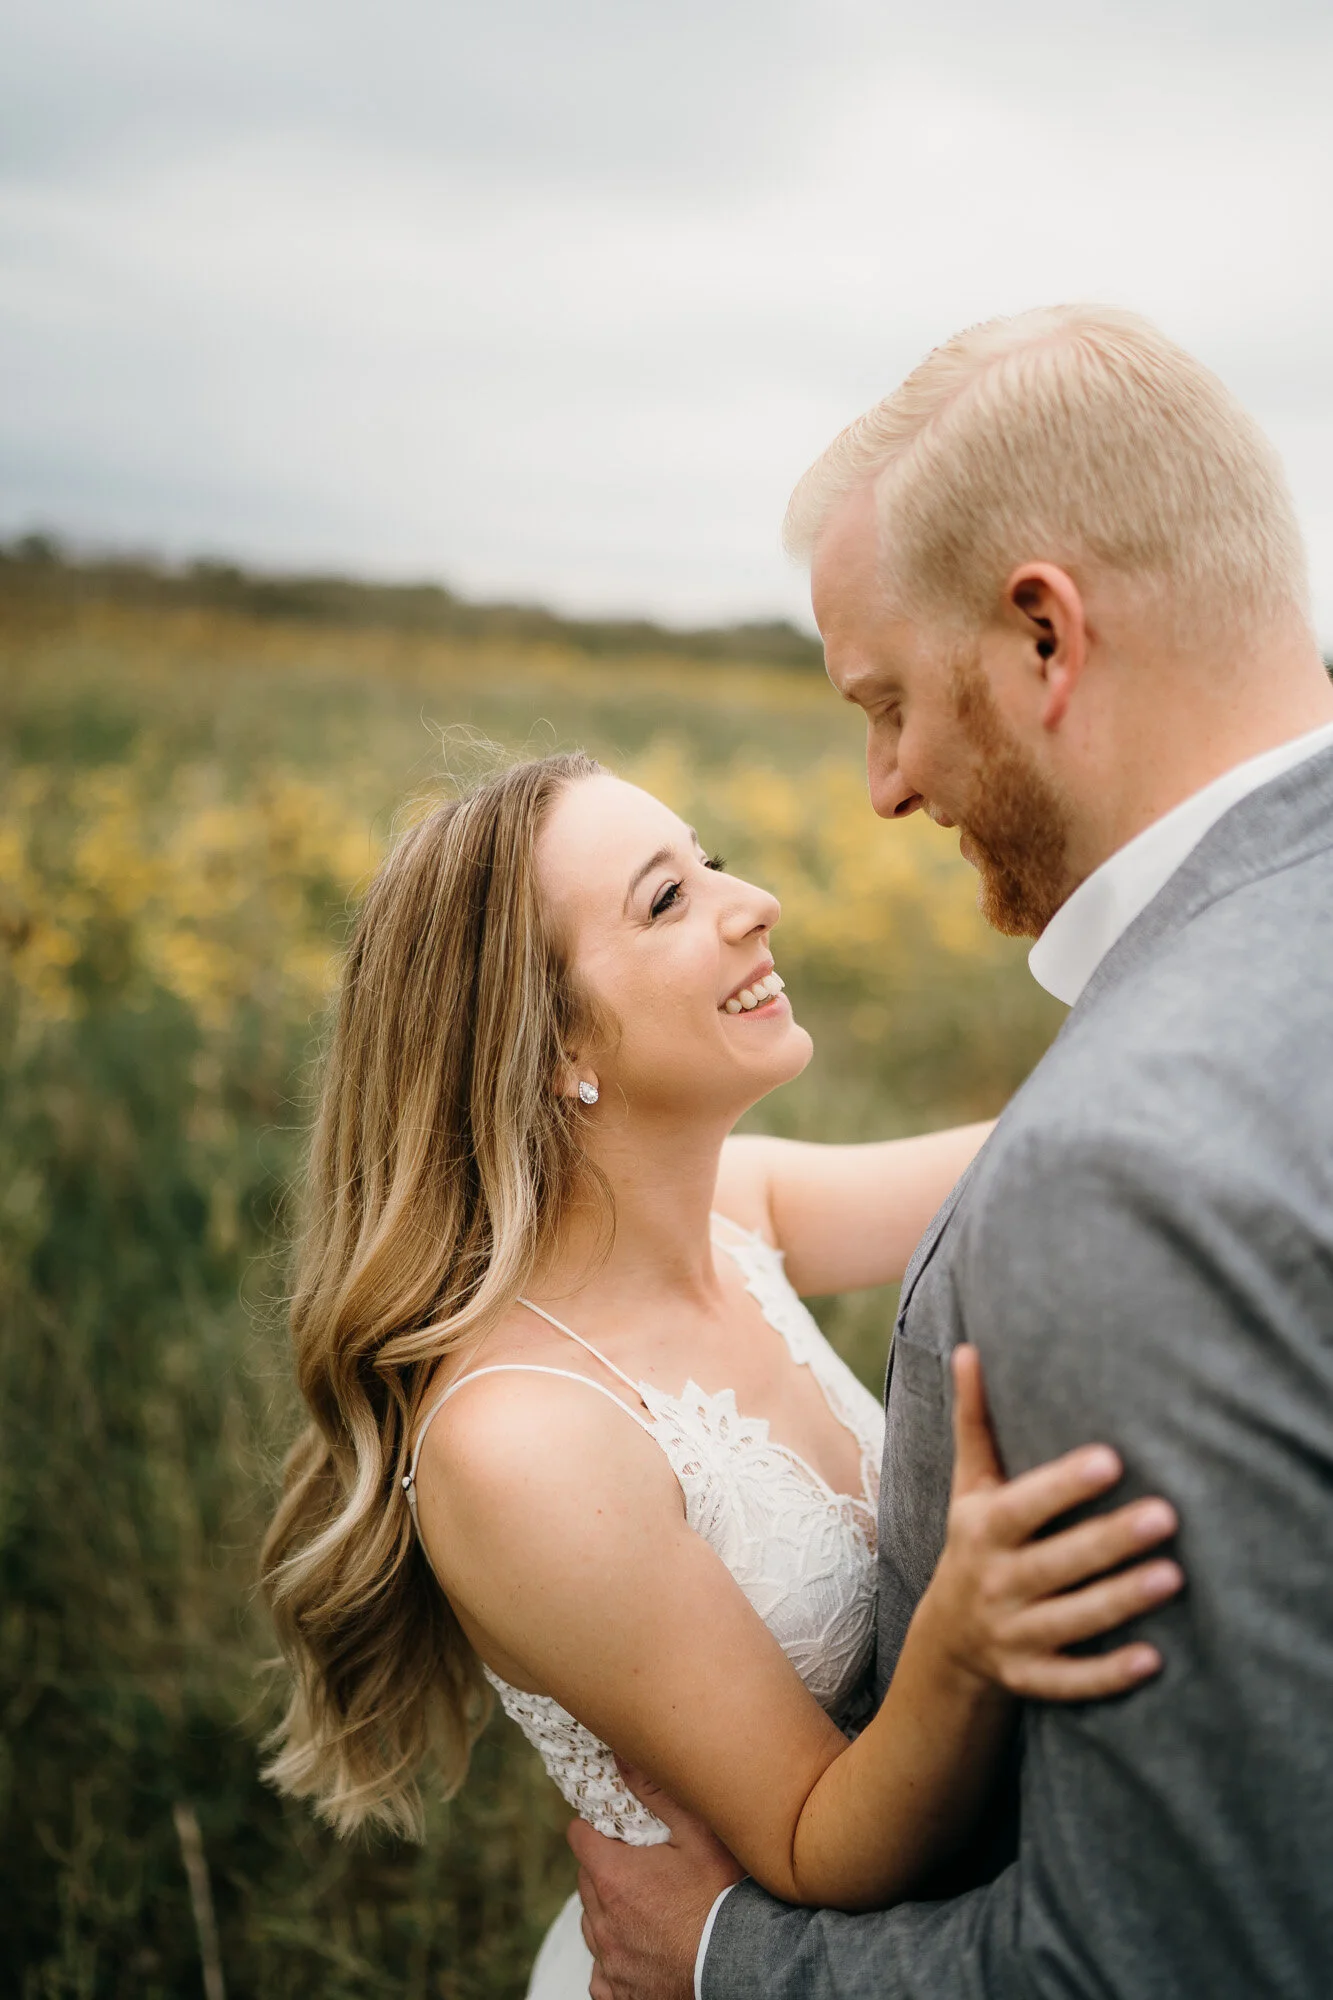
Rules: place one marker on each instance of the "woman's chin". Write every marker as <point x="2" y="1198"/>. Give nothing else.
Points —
<point x="780" y="1056"/>
<point x="805" y="1048"/>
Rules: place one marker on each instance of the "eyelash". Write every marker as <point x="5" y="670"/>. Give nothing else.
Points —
<point x="667" y="900"/>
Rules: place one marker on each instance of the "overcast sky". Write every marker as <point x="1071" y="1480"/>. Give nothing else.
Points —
<point x="556" y="301"/>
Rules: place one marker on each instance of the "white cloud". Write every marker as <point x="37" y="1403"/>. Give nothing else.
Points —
<point x="569" y="325"/>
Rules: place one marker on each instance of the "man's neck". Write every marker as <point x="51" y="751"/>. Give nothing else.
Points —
<point x="1161" y="751"/>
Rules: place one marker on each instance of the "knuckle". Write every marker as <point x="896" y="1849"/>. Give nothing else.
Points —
<point x="1117" y="1603"/>
<point x="1010" y="1662"/>
<point x="1105" y="1546"/>
<point x="994" y="1593"/>
<point x="1020" y="1677"/>
<point x="994" y="1509"/>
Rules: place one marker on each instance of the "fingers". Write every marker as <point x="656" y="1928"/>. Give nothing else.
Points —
<point x="1058" y="1622"/>
<point x="975" y="1463"/>
<point x="1092" y="1547"/>
<point x="686" y="1831"/>
<point x="648" y="1791"/>
<point x="1054" y="1677"/>
<point x="659" y="1803"/>
<point x="1035" y="1498"/>
<point x="588" y="1896"/>
<point x="599" y="1987"/>
<point x="1015" y="1603"/>
<point x="592" y="1849"/>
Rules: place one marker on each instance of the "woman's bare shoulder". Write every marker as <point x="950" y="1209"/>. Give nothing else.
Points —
<point x="528" y="1483"/>
<point x="523" y="1430"/>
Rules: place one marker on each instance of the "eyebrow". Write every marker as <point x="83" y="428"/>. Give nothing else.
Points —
<point x="654" y="861"/>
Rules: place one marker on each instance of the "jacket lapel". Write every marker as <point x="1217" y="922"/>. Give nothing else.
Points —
<point x="921" y="1257"/>
<point x="1285" y="821"/>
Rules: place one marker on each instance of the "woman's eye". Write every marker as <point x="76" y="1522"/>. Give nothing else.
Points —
<point x="670" y="896"/>
<point x="718" y="862"/>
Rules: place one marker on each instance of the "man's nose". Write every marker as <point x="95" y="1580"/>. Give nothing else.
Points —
<point x="890" y="794"/>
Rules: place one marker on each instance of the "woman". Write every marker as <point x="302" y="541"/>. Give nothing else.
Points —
<point x="574" y="1433"/>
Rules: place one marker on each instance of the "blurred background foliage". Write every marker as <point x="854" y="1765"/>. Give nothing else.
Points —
<point x="196" y="773"/>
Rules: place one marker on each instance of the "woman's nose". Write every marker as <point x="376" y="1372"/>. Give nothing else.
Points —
<point x="754" y="911"/>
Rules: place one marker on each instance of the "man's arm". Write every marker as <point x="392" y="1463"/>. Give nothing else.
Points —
<point x="1176" y="1841"/>
<point x="647" y="1913"/>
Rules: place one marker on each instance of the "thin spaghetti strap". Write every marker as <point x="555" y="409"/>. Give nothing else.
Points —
<point x="504" y="1368"/>
<point x="586" y="1345"/>
<point x="750" y="1235"/>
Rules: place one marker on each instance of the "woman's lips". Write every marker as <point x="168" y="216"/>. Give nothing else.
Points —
<point x="754" y="998"/>
<point x="765" y="1010"/>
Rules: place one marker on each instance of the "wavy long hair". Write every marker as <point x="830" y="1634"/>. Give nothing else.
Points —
<point x="442" y="1159"/>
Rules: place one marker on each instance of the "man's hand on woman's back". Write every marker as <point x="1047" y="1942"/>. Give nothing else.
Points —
<point x="644" y="1908"/>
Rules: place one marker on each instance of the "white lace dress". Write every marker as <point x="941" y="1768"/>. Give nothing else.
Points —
<point x="803" y="1554"/>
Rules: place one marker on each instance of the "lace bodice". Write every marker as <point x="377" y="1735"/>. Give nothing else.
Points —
<point x="803" y="1554"/>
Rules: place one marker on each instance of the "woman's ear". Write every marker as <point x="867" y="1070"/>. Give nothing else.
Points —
<point x="574" y="1079"/>
<point x="1051" y="606"/>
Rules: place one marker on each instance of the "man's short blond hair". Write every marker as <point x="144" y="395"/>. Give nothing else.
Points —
<point x="1078" y="435"/>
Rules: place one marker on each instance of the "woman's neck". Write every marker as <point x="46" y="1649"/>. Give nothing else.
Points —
<point x="662" y="1183"/>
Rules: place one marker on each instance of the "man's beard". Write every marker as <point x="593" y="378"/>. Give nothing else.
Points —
<point x="1016" y="822"/>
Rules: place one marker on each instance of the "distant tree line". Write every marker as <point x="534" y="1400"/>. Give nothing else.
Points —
<point x="37" y="568"/>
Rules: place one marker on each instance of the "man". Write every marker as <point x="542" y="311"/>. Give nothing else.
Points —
<point x="1058" y="571"/>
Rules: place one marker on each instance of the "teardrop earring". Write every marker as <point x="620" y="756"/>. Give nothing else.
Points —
<point x="588" y="1093"/>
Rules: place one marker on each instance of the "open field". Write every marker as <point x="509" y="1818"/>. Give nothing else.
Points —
<point x="189" y="798"/>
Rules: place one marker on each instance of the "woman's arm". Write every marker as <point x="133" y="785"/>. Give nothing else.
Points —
<point x="558" y="1531"/>
<point x="1004" y="1603"/>
<point x="845" y="1216"/>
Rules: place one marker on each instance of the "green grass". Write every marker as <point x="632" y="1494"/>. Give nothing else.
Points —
<point x="146" y="1145"/>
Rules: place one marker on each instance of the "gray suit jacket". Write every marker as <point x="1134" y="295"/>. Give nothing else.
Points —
<point x="1143" y="1253"/>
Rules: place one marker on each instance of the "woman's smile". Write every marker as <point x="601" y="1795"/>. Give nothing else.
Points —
<point x="762" y="995"/>
<point x="659" y="934"/>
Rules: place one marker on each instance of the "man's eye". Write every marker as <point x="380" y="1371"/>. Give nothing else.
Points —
<point x="664" y="902"/>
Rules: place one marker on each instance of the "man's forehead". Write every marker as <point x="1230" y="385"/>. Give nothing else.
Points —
<point x="863" y="626"/>
<point x="870" y="650"/>
<point x="845" y="557"/>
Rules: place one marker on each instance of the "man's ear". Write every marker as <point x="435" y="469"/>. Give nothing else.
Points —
<point x="1050" y="608"/>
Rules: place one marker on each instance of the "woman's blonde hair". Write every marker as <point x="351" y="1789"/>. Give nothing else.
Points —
<point x="442" y="1158"/>
<point x="1074" y="434"/>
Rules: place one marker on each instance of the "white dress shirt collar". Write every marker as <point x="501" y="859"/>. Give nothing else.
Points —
<point x="1102" y="908"/>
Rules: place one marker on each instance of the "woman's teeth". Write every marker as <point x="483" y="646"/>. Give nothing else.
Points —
<point x="754" y="996"/>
